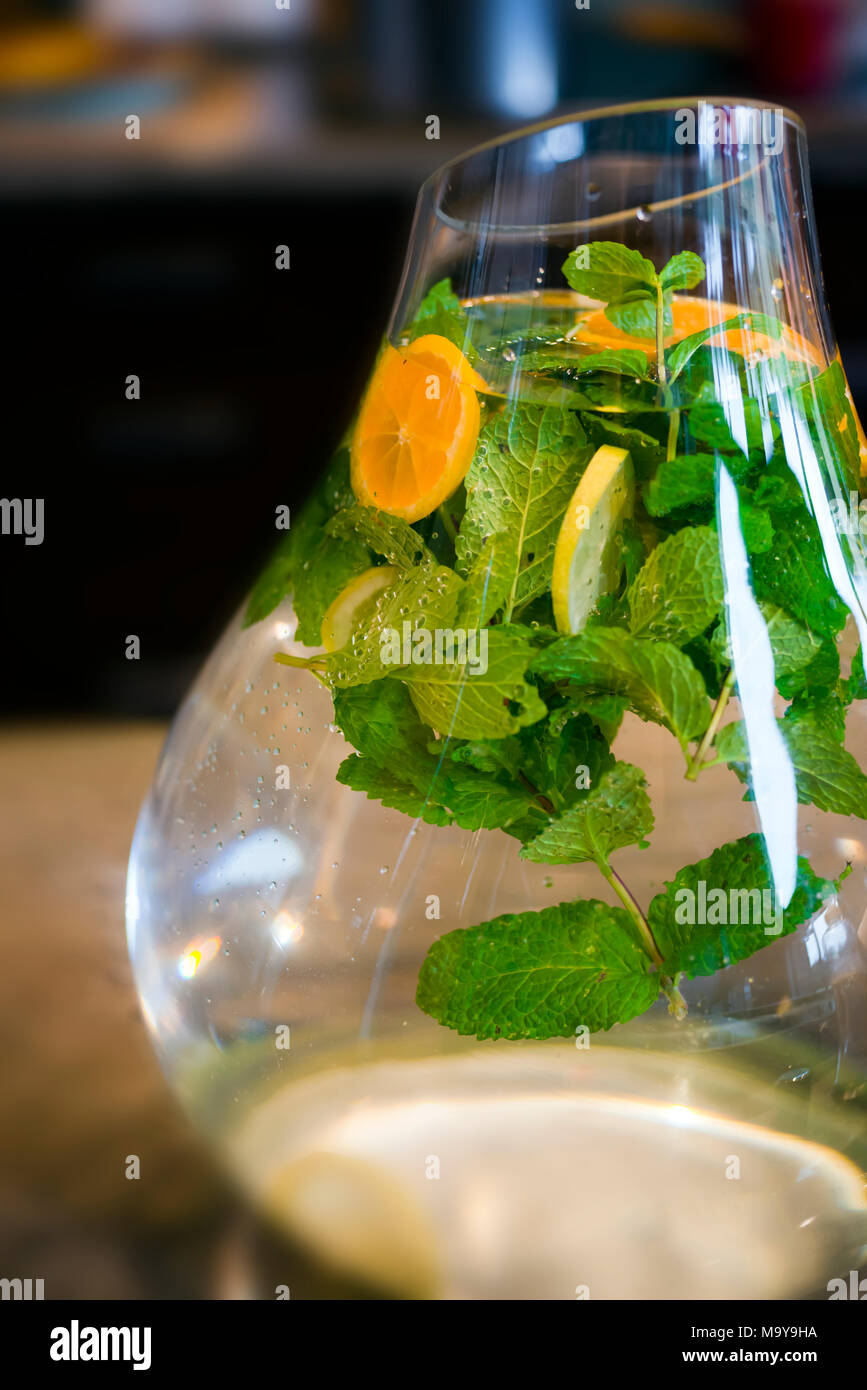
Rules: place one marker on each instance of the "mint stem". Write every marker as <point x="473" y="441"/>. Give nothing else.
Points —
<point x="547" y="806"/>
<point x="306" y="662"/>
<point x="673" y="431"/>
<point x="632" y="908"/>
<point x="676" y="1002"/>
<point x="448" y="524"/>
<point x="710" y="732"/>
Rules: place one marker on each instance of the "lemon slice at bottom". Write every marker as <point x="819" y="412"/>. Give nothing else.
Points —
<point x="361" y="1220"/>
<point x="342" y="615"/>
<point x="588" y="557"/>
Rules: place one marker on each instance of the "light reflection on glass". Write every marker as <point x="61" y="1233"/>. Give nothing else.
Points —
<point x="198" y="953"/>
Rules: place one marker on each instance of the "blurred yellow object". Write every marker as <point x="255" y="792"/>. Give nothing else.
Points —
<point x="361" y="1220"/>
<point x="53" y="53"/>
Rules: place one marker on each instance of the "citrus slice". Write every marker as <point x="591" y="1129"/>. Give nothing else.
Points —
<point x="692" y="315"/>
<point x="343" y="614"/>
<point x="361" y="1219"/>
<point x="417" y="429"/>
<point x="588" y="558"/>
<point x="435" y="350"/>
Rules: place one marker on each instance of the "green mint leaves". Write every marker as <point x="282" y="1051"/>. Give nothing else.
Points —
<point x="608" y="271"/>
<point x="463" y="706"/>
<point x="615" y="813"/>
<point x="629" y="285"/>
<point x="679" y="590"/>
<point x="527" y="466"/>
<point x="441" y="312"/>
<point x="549" y="973"/>
<point x="538" y="974"/>
<point x="657" y="681"/>
<point x="493" y="703"/>
<point x="683" y="272"/>
<point x="724" y="908"/>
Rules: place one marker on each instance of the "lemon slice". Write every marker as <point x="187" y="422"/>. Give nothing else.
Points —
<point x="361" y="1220"/>
<point x="341" y="617"/>
<point x="588" y="555"/>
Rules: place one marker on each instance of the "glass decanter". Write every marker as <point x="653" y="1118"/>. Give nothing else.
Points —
<point x="496" y="904"/>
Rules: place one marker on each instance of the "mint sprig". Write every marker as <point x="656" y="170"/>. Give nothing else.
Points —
<point x="523" y="742"/>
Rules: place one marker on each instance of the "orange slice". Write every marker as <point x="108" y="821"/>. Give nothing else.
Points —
<point x="692" y="315"/>
<point x="417" y="428"/>
<point x="434" y="350"/>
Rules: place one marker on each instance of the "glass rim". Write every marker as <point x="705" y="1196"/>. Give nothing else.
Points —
<point x="633" y="108"/>
<point x="629" y="108"/>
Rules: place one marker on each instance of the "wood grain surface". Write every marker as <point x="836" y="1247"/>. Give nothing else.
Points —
<point x="80" y="1088"/>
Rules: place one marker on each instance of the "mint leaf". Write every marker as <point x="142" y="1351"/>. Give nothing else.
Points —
<point x="499" y="755"/>
<point x="793" y="645"/>
<point x="606" y="270"/>
<point x="621" y="361"/>
<point x="645" y="448"/>
<point x="442" y="312"/>
<point x="397" y="765"/>
<point x="826" y="712"/>
<point x="538" y="974"/>
<point x="684" y="481"/>
<point x="793" y="575"/>
<point x="637" y="313"/>
<point x="855" y="687"/>
<point x="379" y="784"/>
<point x="679" y="355"/>
<point x="555" y="749"/>
<point x="683" y="272"/>
<point x="708" y="422"/>
<point x="380" y="721"/>
<point x="730" y="746"/>
<point x="425" y="598"/>
<point x="387" y="535"/>
<point x="816" y="678"/>
<point x="273" y="583"/>
<point x="489" y="580"/>
<point x="679" y="590"/>
<point x="615" y="813"/>
<point x="825" y="774"/>
<point x="527" y="466"/>
<point x="730" y="885"/>
<point x="330" y="568"/>
<point x="488" y="704"/>
<point x="481" y="803"/>
<point x="559" y="358"/>
<point x="756" y="528"/>
<point x="657" y="680"/>
<point x="606" y="712"/>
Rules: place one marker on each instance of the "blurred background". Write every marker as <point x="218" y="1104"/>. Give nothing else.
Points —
<point x="263" y="122"/>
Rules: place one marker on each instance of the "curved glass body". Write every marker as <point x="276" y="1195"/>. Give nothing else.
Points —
<point x="609" y="464"/>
